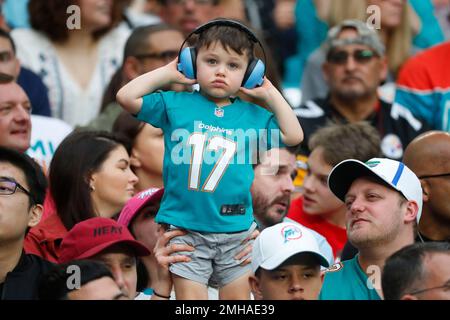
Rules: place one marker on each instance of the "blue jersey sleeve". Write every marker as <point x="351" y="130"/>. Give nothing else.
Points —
<point x="154" y="110"/>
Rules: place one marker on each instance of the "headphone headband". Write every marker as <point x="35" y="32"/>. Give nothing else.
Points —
<point x="254" y="74"/>
<point x="227" y="23"/>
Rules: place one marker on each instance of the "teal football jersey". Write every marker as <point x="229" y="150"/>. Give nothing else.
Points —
<point x="347" y="281"/>
<point x="209" y="152"/>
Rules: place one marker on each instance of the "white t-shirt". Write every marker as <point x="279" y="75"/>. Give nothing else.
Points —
<point x="70" y="102"/>
<point x="46" y="135"/>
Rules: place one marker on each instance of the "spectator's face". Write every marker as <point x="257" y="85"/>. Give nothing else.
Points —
<point x="220" y="72"/>
<point x="113" y="185"/>
<point x="15" y="122"/>
<point x="99" y="289"/>
<point x="121" y="261"/>
<point x="354" y="78"/>
<point x="8" y="61"/>
<point x="95" y="14"/>
<point x="187" y="15"/>
<point x="297" y="279"/>
<point x="437" y="276"/>
<point x="15" y="212"/>
<point x="144" y="227"/>
<point x="272" y="186"/>
<point x="317" y="197"/>
<point x="148" y="151"/>
<point x="375" y="214"/>
<point x="391" y="12"/>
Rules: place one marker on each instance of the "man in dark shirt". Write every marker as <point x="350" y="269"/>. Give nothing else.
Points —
<point x="354" y="68"/>
<point x="22" y="191"/>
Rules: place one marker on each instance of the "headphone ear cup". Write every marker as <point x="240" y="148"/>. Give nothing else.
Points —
<point x="186" y="62"/>
<point x="254" y="75"/>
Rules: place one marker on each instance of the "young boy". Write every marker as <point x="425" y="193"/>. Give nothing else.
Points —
<point x="286" y="262"/>
<point x="206" y="178"/>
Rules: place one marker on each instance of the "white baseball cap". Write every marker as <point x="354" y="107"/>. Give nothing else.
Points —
<point x="394" y="173"/>
<point x="279" y="242"/>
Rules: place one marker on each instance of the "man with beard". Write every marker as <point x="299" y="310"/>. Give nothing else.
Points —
<point x="384" y="203"/>
<point x="355" y="66"/>
<point x="271" y="192"/>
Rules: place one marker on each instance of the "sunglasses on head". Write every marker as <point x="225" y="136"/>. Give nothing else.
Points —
<point x="164" y="55"/>
<point x="341" y="56"/>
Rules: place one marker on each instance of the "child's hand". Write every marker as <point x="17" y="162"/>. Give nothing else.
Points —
<point x="176" y="76"/>
<point x="264" y="92"/>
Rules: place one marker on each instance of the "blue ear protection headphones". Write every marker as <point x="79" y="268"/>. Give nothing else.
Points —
<point x="254" y="75"/>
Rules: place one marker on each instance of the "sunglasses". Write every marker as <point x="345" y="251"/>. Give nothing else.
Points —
<point x="164" y="55"/>
<point x="340" y="56"/>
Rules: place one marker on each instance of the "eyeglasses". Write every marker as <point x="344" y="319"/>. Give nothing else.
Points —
<point x="445" y="287"/>
<point x="434" y="176"/>
<point x="164" y="55"/>
<point x="5" y="56"/>
<point x="183" y="2"/>
<point x="9" y="186"/>
<point x="340" y="57"/>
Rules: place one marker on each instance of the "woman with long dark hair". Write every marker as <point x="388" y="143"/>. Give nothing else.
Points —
<point x="89" y="176"/>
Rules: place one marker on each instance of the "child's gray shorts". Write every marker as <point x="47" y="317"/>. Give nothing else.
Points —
<point x="212" y="261"/>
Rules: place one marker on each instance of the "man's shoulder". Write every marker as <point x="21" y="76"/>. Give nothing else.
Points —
<point x="341" y="272"/>
<point x="313" y="109"/>
<point x="39" y="263"/>
<point x="23" y="281"/>
<point x="402" y="121"/>
<point x="341" y="282"/>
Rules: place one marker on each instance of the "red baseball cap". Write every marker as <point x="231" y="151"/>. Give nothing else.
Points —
<point x="92" y="236"/>
<point x="137" y="203"/>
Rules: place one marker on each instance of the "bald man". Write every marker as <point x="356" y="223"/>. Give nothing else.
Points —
<point x="428" y="155"/>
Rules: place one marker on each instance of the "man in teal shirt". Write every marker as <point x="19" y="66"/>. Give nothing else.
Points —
<point x="384" y="203"/>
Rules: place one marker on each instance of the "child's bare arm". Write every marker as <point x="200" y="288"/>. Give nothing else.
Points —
<point x="291" y="131"/>
<point x="130" y="95"/>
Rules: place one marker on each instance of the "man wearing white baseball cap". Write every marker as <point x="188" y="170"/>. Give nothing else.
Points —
<point x="384" y="203"/>
<point x="286" y="264"/>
